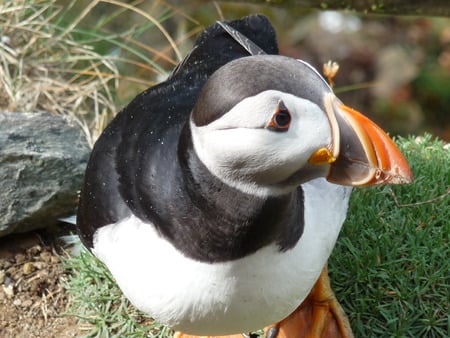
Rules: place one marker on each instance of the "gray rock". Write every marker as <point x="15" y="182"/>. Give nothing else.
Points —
<point x="42" y="161"/>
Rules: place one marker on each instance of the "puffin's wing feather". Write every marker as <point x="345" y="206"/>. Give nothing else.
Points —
<point x="225" y="41"/>
<point x="251" y="47"/>
<point x="132" y="145"/>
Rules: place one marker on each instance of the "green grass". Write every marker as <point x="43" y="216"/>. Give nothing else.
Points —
<point x="390" y="268"/>
<point x="102" y="309"/>
<point x="68" y="57"/>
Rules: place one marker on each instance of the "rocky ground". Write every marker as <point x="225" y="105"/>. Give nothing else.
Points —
<point x="32" y="298"/>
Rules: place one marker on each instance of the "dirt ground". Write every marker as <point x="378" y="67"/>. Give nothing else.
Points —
<point x="32" y="298"/>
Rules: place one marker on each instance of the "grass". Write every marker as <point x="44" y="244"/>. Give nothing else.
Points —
<point x="390" y="268"/>
<point x="65" y="57"/>
<point x="102" y="309"/>
<point x="42" y="67"/>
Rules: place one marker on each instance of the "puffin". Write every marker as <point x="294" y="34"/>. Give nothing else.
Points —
<point x="216" y="197"/>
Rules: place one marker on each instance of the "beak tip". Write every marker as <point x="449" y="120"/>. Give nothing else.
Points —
<point x="400" y="180"/>
<point x="399" y="175"/>
<point x="404" y="177"/>
<point x="402" y="171"/>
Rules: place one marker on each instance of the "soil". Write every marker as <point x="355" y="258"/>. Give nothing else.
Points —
<point x="33" y="302"/>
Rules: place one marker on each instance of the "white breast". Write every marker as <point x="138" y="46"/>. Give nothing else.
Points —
<point x="222" y="298"/>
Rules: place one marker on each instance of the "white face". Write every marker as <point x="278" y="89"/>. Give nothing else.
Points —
<point x="262" y="141"/>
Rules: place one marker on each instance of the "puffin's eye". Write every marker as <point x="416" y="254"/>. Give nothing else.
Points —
<point x="281" y="119"/>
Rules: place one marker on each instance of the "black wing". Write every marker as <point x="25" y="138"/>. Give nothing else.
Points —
<point x="143" y="132"/>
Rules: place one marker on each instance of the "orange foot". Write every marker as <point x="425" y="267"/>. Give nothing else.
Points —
<point x="319" y="316"/>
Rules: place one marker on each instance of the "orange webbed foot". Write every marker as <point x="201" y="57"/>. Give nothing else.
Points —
<point x="319" y="316"/>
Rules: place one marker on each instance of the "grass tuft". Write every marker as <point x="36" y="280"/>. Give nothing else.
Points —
<point x="66" y="58"/>
<point x="45" y="68"/>
<point x="390" y="268"/>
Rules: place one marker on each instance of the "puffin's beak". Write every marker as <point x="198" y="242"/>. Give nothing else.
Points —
<point x="361" y="153"/>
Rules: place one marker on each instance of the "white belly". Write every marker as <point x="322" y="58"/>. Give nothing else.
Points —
<point x="222" y="298"/>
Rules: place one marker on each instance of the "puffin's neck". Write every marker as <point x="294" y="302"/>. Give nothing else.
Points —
<point x="231" y="223"/>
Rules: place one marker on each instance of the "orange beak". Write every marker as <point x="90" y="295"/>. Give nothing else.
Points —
<point x="361" y="153"/>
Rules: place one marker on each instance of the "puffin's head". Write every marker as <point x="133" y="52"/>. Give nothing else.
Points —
<point x="268" y="123"/>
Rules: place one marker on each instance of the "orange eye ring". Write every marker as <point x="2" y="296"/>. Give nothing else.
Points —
<point x="281" y="119"/>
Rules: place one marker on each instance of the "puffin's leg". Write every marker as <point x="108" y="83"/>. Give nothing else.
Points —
<point x="320" y="315"/>
<point x="183" y="335"/>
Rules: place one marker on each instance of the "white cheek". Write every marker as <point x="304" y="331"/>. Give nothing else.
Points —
<point x="232" y="155"/>
<point x="308" y="133"/>
<point x="225" y="151"/>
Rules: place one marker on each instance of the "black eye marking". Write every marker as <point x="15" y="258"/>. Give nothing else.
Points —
<point x="281" y="119"/>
